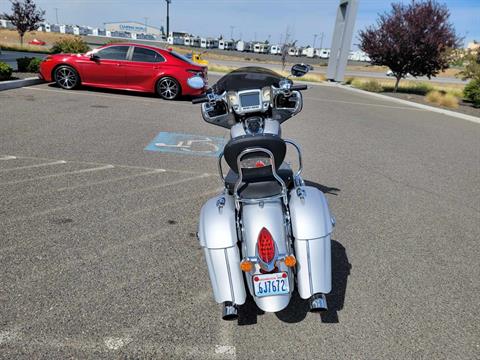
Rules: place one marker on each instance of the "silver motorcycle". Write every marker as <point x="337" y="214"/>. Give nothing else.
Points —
<point x="267" y="231"/>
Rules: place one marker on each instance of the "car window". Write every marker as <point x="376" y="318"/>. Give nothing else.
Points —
<point x="181" y="57"/>
<point x="146" y="55"/>
<point x="113" y="53"/>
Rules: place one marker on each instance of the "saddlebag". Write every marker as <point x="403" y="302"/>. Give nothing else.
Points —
<point x="218" y="237"/>
<point x="312" y="226"/>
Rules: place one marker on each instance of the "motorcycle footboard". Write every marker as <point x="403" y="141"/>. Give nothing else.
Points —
<point x="312" y="226"/>
<point x="218" y="237"/>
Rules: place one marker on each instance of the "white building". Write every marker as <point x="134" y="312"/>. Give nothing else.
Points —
<point x="132" y="27"/>
<point x="244" y="46"/>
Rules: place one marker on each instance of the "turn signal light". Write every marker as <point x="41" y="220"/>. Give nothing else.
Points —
<point x="290" y="261"/>
<point x="246" y="266"/>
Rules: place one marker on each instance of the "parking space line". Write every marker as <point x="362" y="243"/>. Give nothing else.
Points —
<point x="132" y="97"/>
<point x="86" y="202"/>
<point x="59" y="174"/>
<point x="35" y="166"/>
<point x="121" y="166"/>
<point x="157" y="171"/>
<point x="364" y="104"/>
<point x="7" y="158"/>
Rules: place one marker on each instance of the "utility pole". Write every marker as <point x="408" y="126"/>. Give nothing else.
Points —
<point x="56" y="15"/>
<point x="314" y="40"/>
<point x="231" y="31"/>
<point x="321" y="40"/>
<point x="146" y="29"/>
<point x="168" y="17"/>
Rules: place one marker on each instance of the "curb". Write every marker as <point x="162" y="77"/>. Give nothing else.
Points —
<point x="414" y="104"/>
<point x="14" y="84"/>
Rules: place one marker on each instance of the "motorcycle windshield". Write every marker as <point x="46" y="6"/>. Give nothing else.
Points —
<point x="247" y="78"/>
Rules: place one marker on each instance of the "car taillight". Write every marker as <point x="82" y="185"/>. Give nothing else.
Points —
<point x="266" y="246"/>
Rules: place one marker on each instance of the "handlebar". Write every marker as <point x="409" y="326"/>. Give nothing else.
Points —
<point x="199" y="100"/>
<point x="298" y="87"/>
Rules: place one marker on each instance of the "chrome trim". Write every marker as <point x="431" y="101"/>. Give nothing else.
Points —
<point x="238" y="199"/>
<point x="230" y="311"/>
<point x="318" y="302"/>
<point x="220" y="169"/>
<point x="309" y="267"/>
<point x="229" y="274"/>
<point x="299" y="152"/>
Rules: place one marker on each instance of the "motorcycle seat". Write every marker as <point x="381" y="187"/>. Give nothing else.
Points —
<point x="259" y="189"/>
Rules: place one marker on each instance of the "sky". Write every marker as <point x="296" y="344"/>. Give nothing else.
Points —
<point x="251" y="19"/>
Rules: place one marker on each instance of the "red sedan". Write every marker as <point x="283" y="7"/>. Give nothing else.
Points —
<point x="127" y="67"/>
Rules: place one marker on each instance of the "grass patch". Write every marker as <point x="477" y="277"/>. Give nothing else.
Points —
<point x="312" y="77"/>
<point x="442" y="98"/>
<point x="410" y="86"/>
<point x="370" y="85"/>
<point x="25" y="48"/>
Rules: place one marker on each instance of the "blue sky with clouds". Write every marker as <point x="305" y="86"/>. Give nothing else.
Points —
<point x="251" y="19"/>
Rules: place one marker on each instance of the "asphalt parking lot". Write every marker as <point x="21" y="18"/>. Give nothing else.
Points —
<point x="99" y="259"/>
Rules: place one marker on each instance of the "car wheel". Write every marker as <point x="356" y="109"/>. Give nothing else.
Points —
<point x="67" y="77"/>
<point x="168" y="88"/>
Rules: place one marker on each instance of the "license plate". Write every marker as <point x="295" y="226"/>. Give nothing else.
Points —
<point x="271" y="284"/>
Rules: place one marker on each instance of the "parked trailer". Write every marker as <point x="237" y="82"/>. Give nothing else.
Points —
<point x="175" y="40"/>
<point x="275" y="50"/>
<point x="187" y="40"/>
<point x="195" y="42"/>
<point x="244" y="46"/>
<point x="292" y="51"/>
<point x="225" y="45"/>
<point x="261" y="48"/>
<point x="208" y="43"/>
<point x="309" y="52"/>
<point x="323" y="53"/>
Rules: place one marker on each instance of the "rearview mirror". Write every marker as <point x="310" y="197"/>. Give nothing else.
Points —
<point x="299" y="70"/>
<point x="196" y="82"/>
<point x="94" y="57"/>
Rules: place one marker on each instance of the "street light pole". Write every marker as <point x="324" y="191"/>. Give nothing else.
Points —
<point x="231" y="31"/>
<point x="321" y="40"/>
<point x="168" y="17"/>
<point x="146" y="29"/>
<point x="314" y="39"/>
<point x="56" y="14"/>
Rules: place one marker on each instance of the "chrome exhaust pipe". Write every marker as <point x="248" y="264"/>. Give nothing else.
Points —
<point x="230" y="311"/>
<point x="318" y="303"/>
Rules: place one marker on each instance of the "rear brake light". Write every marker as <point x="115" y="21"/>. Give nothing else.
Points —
<point x="266" y="246"/>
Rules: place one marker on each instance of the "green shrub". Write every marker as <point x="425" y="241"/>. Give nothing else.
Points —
<point x="419" y="88"/>
<point x="74" y="45"/>
<point x="472" y="92"/>
<point x="34" y="65"/>
<point x="22" y="63"/>
<point x="5" y="71"/>
<point x="372" y="86"/>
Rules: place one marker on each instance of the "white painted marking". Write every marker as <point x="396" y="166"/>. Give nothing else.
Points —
<point x="361" y="103"/>
<point x="35" y="166"/>
<point x="225" y="350"/>
<point x="112" y="180"/>
<point x="8" y="158"/>
<point x="40" y="213"/>
<point x="123" y="97"/>
<point x="59" y="174"/>
<point x="412" y="104"/>
<point x="113" y="343"/>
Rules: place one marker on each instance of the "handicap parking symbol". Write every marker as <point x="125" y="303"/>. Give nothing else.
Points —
<point x="190" y="144"/>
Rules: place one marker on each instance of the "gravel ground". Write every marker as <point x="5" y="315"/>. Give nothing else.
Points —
<point x="464" y="108"/>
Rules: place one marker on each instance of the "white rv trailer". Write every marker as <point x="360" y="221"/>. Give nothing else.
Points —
<point x="276" y="49"/>
<point x="175" y="40"/>
<point x="195" y="41"/>
<point x="187" y="40"/>
<point x="260" y="48"/>
<point x="244" y="46"/>
<point x="309" y="52"/>
<point x="225" y="44"/>
<point x="208" y="43"/>
<point x="323" y="53"/>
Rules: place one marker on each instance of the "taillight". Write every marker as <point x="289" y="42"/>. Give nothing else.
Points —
<point x="195" y="72"/>
<point x="266" y="246"/>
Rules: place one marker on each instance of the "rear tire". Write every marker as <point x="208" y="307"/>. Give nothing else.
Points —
<point x="66" y="77"/>
<point x="168" y="88"/>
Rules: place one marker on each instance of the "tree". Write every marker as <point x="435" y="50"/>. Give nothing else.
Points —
<point x="25" y="16"/>
<point x="415" y="39"/>
<point x="287" y="44"/>
<point x="472" y="69"/>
